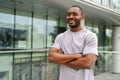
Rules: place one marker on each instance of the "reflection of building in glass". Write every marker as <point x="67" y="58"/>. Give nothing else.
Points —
<point x="4" y="75"/>
<point x="57" y="30"/>
<point x="7" y="35"/>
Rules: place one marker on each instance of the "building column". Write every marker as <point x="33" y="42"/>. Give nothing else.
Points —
<point x="116" y="47"/>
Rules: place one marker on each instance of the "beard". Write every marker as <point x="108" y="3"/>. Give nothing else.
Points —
<point x="75" y="25"/>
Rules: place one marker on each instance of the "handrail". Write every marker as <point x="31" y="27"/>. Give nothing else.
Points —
<point x="44" y="50"/>
<point x="109" y="52"/>
<point x="26" y="50"/>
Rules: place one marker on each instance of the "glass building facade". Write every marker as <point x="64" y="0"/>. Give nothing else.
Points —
<point x="27" y="30"/>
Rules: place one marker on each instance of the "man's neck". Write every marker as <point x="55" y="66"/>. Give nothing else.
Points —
<point x="76" y="29"/>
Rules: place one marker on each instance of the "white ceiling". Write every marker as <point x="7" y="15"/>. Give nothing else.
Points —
<point x="92" y="11"/>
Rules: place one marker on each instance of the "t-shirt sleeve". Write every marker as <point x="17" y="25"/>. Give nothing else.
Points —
<point x="91" y="44"/>
<point x="56" y="43"/>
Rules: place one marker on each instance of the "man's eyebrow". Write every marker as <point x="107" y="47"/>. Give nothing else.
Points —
<point x="71" y="12"/>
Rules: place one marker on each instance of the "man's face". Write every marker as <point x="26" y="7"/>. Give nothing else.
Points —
<point x="74" y="17"/>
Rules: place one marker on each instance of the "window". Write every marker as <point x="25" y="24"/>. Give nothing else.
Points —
<point x="23" y="29"/>
<point x="6" y="27"/>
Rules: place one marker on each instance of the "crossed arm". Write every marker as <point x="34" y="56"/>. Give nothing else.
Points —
<point x="56" y="56"/>
<point x="75" y="61"/>
<point x="85" y="62"/>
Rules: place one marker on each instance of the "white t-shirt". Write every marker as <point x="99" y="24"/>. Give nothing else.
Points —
<point x="83" y="41"/>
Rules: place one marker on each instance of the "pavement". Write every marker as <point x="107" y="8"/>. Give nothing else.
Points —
<point x="108" y="76"/>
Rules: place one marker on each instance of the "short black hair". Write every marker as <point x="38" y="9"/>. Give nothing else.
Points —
<point x="79" y="8"/>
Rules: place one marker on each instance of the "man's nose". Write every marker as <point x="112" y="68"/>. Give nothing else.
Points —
<point x="71" y="16"/>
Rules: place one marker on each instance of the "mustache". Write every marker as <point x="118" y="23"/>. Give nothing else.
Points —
<point x="70" y="19"/>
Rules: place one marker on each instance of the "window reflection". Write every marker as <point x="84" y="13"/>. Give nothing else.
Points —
<point x="6" y="35"/>
<point x="107" y="3"/>
<point x="55" y="25"/>
<point x="23" y="30"/>
<point x="6" y="28"/>
<point x="52" y="24"/>
<point x="98" y="1"/>
<point x="22" y="71"/>
<point x="39" y="30"/>
<point x="116" y="4"/>
<point x="104" y="34"/>
<point x="4" y="75"/>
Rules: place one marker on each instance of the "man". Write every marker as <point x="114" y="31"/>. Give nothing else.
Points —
<point x="75" y="49"/>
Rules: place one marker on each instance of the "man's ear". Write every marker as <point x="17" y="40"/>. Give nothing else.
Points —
<point x="82" y="17"/>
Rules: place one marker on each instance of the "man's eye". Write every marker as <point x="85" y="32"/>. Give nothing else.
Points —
<point x="75" y="14"/>
<point x="68" y="14"/>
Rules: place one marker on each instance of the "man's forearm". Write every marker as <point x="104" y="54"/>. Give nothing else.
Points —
<point x="62" y="58"/>
<point x="77" y="64"/>
<point x="85" y="62"/>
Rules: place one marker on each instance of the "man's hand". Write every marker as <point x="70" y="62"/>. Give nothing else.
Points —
<point x="58" y="57"/>
<point x="78" y="55"/>
<point x="60" y="51"/>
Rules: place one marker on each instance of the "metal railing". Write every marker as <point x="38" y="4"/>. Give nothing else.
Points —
<point x="104" y="62"/>
<point x="33" y="65"/>
<point x="24" y="50"/>
<point x="30" y="64"/>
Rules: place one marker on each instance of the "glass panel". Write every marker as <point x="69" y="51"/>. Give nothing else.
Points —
<point x="6" y="28"/>
<point x="116" y="4"/>
<point x="39" y="66"/>
<point x="108" y="46"/>
<point x="22" y="66"/>
<point x="92" y="27"/>
<point x="63" y="25"/>
<point x="63" y="22"/>
<point x="22" y="71"/>
<point x="52" y="30"/>
<point x="6" y="67"/>
<point x="104" y="59"/>
<point x="52" y="71"/>
<point x="55" y="25"/>
<point x="101" y="35"/>
<point x="107" y="3"/>
<point x="98" y="1"/>
<point x="23" y="30"/>
<point x="4" y="75"/>
<point x="39" y="30"/>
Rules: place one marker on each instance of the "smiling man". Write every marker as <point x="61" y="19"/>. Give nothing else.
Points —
<point x="75" y="49"/>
